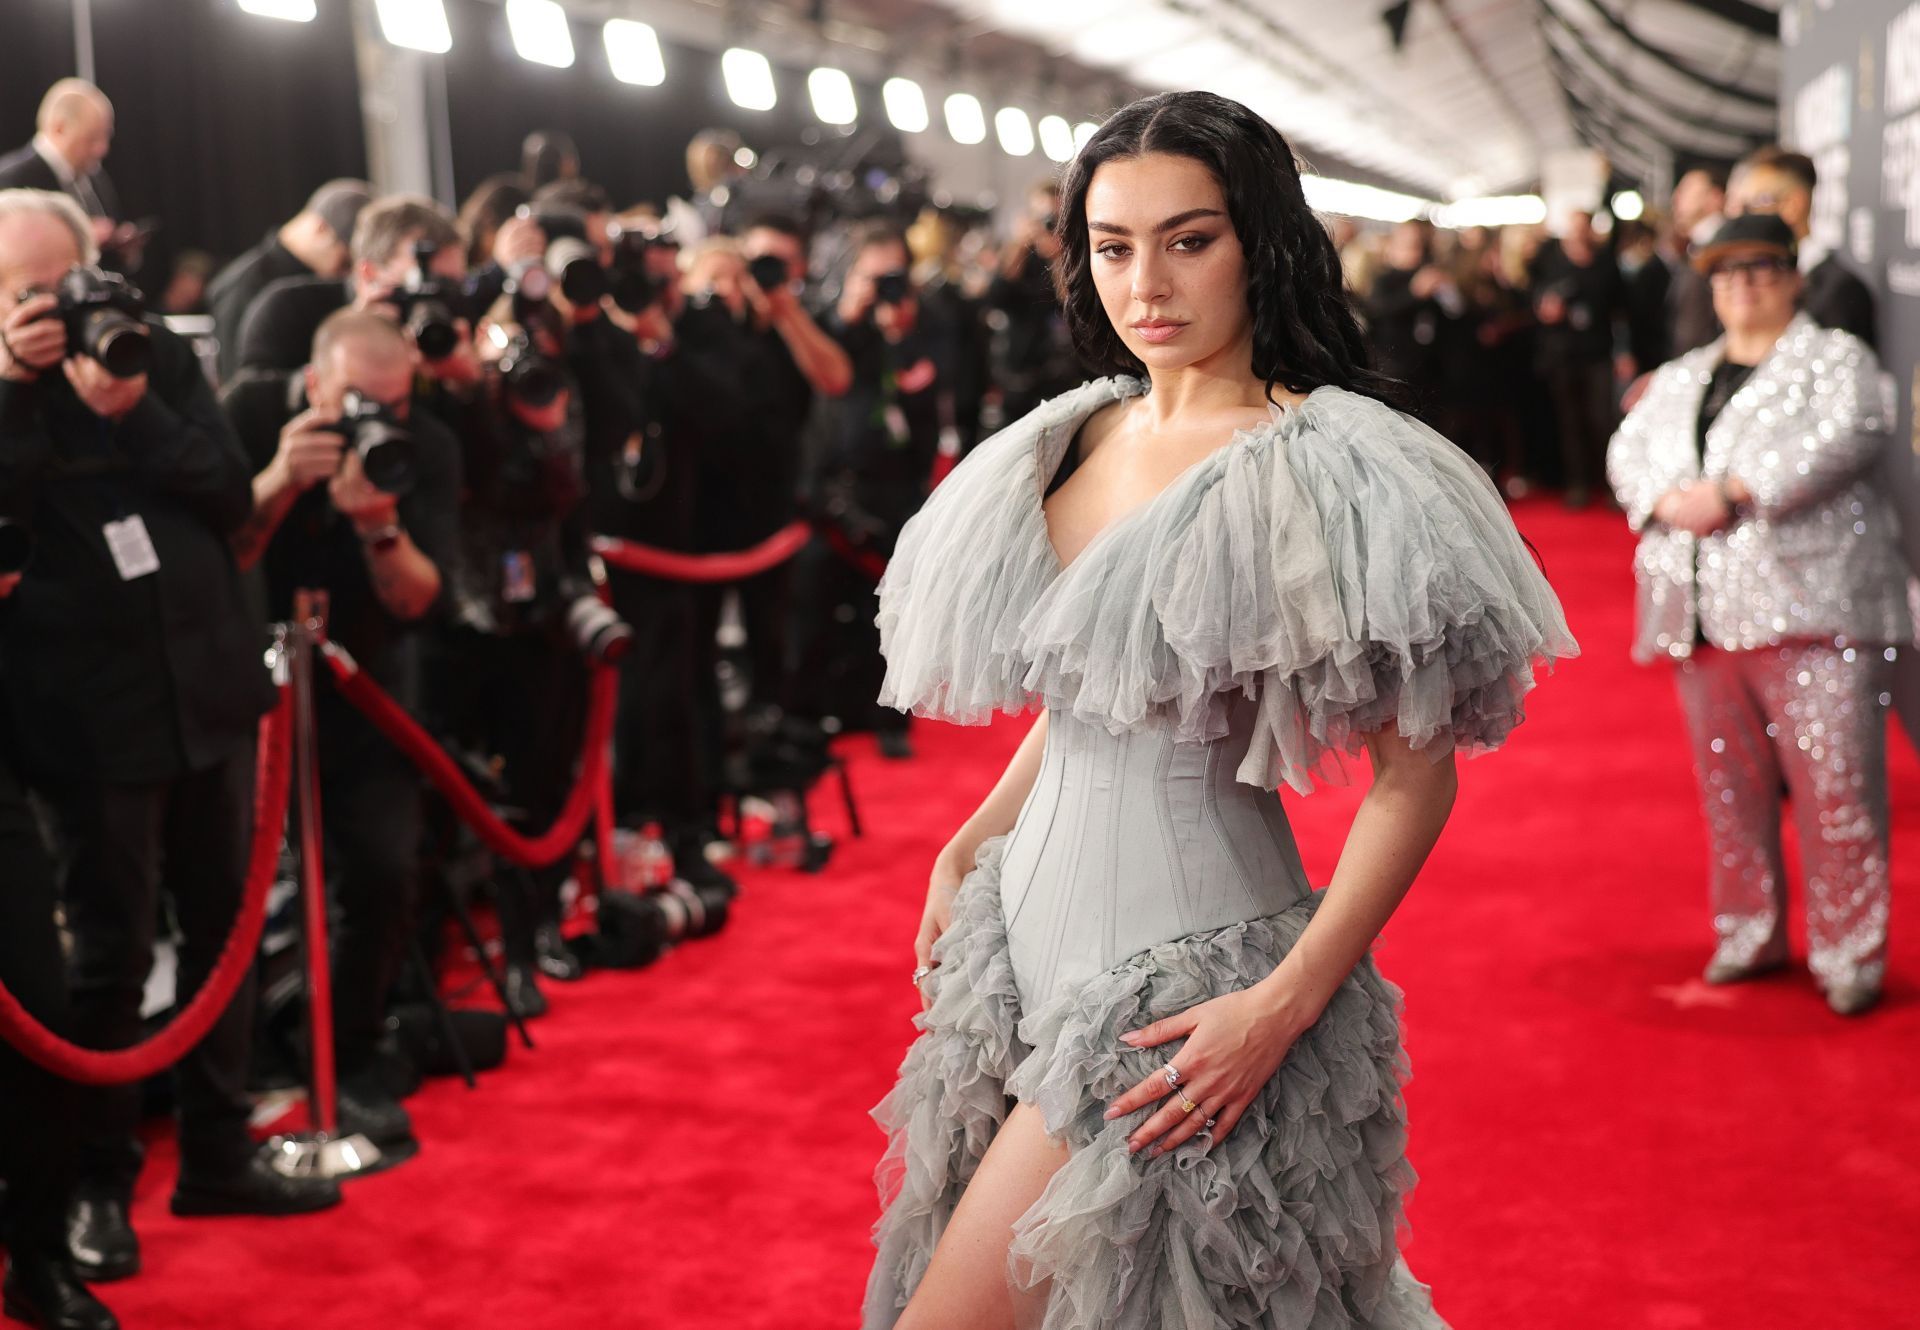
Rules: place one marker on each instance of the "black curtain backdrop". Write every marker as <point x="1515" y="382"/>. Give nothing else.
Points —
<point x="632" y="140"/>
<point x="224" y="121"/>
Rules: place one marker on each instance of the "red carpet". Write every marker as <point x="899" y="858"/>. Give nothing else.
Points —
<point x="1604" y="1143"/>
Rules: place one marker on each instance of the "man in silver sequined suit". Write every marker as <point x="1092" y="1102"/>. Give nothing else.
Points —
<point x="1769" y="571"/>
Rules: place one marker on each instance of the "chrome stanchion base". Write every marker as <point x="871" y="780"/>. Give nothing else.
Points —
<point x="313" y="1154"/>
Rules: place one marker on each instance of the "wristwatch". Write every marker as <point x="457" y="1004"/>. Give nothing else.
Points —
<point x="381" y="538"/>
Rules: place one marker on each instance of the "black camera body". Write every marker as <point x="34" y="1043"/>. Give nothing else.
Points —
<point x="426" y="305"/>
<point x="382" y="441"/>
<point x="892" y="288"/>
<point x="769" y="271"/>
<point x="103" y="316"/>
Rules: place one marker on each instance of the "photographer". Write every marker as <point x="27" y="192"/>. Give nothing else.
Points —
<point x="507" y="677"/>
<point x="135" y="688"/>
<point x="749" y="296"/>
<point x="870" y="474"/>
<point x="407" y="257"/>
<point x="355" y="494"/>
<point x="653" y="401"/>
<point x="312" y="243"/>
<point x="1034" y="357"/>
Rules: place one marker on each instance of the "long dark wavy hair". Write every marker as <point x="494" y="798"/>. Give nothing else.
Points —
<point x="1305" y="332"/>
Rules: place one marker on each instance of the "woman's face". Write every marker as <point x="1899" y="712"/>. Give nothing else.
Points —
<point x="1166" y="260"/>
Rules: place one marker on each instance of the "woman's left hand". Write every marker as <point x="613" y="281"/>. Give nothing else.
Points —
<point x="1235" y="1044"/>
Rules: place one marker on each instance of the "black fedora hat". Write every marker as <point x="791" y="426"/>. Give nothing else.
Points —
<point x="1749" y="233"/>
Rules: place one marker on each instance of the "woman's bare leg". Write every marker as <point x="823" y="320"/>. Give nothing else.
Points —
<point x="965" y="1287"/>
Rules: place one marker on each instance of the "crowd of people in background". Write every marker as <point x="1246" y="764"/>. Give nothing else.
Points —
<point x="429" y="414"/>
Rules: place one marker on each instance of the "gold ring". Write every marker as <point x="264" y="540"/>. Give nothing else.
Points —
<point x="1186" y="1105"/>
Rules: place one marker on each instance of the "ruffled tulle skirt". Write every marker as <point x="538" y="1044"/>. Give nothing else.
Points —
<point x="1292" y="1222"/>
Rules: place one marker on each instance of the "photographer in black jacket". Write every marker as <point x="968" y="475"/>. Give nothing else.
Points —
<point x="355" y="494"/>
<point x="312" y="243"/>
<point x="868" y="476"/>
<point x="653" y="401"/>
<point x="507" y="677"/>
<point x="135" y="687"/>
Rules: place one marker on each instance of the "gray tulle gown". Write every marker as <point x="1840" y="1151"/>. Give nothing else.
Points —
<point x="1338" y="569"/>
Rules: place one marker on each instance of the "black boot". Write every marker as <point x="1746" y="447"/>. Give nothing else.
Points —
<point x="255" y="1188"/>
<point x="46" y="1291"/>
<point x="100" y="1238"/>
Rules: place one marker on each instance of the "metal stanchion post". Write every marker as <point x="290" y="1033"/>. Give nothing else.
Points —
<point x="321" y="1151"/>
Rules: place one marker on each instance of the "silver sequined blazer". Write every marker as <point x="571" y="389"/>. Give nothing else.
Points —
<point x="1816" y="554"/>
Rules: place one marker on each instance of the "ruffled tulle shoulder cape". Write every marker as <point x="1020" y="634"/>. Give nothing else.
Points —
<point x="1343" y="563"/>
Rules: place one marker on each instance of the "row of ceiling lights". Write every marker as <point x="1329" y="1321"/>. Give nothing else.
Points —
<point x="542" y="34"/>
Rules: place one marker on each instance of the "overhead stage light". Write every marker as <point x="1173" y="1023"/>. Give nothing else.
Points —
<point x="418" y="25"/>
<point x="1496" y="210"/>
<point x="965" y="120"/>
<point x="540" y="33"/>
<point x="1014" y="129"/>
<point x="633" y="53"/>
<point x="1056" y="138"/>
<point x="906" y="105"/>
<point x="833" y="99"/>
<point x="294" y="11"/>
<point x="749" y="79"/>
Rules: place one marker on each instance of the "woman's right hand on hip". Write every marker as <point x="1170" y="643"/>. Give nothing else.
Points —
<point x="942" y="887"/>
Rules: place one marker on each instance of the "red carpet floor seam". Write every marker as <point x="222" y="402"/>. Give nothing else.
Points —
<point x="1603" y="1142"/>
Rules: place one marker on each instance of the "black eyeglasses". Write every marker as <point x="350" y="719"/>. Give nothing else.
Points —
<point x="1761" y="271"/>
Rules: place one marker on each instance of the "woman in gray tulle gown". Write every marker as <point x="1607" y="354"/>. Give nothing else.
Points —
<point x="1158" y="1083"/>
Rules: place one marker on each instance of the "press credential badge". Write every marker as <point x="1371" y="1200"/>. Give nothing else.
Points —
<point x="132" y="547"/>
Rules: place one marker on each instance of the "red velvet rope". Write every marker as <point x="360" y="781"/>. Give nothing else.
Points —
<point x="633" y="557"/>
<point x="93" y="1067"/>
<point x="404" y="733"/>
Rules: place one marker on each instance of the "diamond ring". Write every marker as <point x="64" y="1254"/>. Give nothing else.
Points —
<point x="1172" y="1073"/>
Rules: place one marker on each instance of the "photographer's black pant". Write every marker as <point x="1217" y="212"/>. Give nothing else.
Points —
<point x="36" y="1108"/>
<point x="519" y="698"/>
<point x="125" y="843"/>
<point x="764" y="609"/>
<point x="834" y="665"/>
<point x="659" y="768"/>
<point x="370" y="808"/>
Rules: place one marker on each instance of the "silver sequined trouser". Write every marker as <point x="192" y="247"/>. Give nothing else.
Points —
<point x="1814" y="714"/>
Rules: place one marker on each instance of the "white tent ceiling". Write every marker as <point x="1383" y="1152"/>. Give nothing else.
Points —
<point x="1470" y="102"/>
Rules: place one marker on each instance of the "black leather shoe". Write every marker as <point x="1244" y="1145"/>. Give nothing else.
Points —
<point x="46" y="1291"/>
<point x="556" y="959"/>
<point x="369" y="1111"/>
<point x="256" y="1189"/>
<point x="523" y="993"/>
<point x="895" y="745"/>
<point x="100" y="1237"/>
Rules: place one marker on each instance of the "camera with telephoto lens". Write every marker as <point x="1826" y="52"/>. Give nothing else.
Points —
<point x="426" y="304"/>
<point x="599" y="633"/>
<point x="891" y="288"/>
<point x="382" y="441"/>
<point x="16" y="547"/>
<point x="769" y="271"/>
<point x="102" y="312"/>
